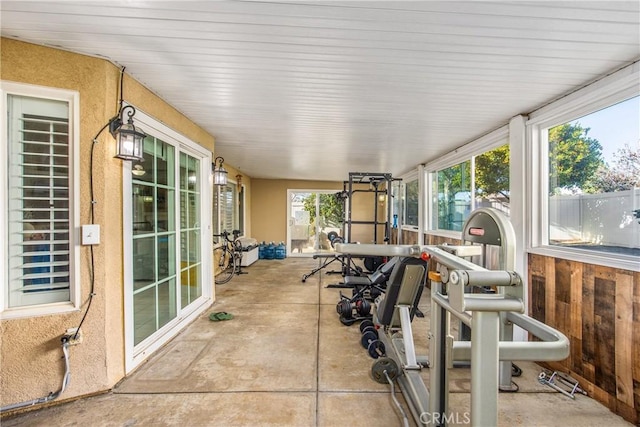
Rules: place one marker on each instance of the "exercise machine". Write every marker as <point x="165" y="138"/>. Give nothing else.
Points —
<point x="488" y="240"/>
<point x="453" y="280"/>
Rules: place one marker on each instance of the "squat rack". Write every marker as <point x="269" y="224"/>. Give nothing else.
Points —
<point x="375" y="181"/>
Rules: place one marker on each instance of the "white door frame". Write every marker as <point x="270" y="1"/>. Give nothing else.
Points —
<point x="136" y="354"/>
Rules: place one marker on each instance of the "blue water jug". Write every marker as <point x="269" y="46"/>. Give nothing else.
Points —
<point x="261" y="249"/>
<point x="270" y="251"/>
<point x="281" y="251"/>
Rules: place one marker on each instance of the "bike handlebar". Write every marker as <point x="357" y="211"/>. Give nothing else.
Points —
<point x="225" y="234"/>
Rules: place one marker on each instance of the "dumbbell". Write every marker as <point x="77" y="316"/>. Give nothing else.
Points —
<point x="374" y="346"/>
<point x="345" y="308"/>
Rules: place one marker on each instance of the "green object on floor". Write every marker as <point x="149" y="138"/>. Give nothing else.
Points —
<point x="220" y="315"/>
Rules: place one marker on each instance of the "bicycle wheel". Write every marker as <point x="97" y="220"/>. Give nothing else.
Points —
<point x="225" y="265"/>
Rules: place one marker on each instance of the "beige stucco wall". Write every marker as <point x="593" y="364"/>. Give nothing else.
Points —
<point x="269" y="205"/>
<point x="30" y="351"/>
<point x="269" y="209"/>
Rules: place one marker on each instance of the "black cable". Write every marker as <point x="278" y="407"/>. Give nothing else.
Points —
<point x="92" y="209"/>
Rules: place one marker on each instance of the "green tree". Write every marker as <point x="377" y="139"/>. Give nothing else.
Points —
<point x="451" y="181"/>
<point x="574" y="157"/>
<point x="492" y="172"/>
<point x="331" y="209"/>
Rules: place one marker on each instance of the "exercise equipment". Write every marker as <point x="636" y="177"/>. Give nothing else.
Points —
<point x="347" y="264"/>
<point x="488" y="240"/>
<point x="368" y="182"/>
<point x="384" y="365"/>
<point x="372" y="344"/>
<point x="346" y="306"/>
<point x="561" y="382"/>
<point x="368" y="325"/>
<point x="372" y="285"/>
<point x="451" y="277"/>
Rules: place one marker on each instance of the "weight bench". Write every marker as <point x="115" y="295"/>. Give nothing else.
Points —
<point x="375" y="280"/>
<point x="330" y="258"/>
<point x="404" y="289"/>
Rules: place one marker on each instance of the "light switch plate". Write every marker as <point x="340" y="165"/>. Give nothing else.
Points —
<point x="91" y="234"/>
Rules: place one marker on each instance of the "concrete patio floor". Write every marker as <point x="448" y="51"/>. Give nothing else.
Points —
<point x="286" y="360"/>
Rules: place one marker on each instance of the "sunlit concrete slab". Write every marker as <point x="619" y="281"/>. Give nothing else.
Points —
<point x="265" y="347"/>
<point x="357" y="409"/>
<point x="190" y="409"/>
<point x="343" y="363"/>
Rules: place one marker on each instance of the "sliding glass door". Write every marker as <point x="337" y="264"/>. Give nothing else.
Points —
<point x="315" y="219"/>
<point x="166" y="267"/>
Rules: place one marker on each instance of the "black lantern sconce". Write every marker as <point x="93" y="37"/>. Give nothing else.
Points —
<point x="219" y="173"/>
<point x="128" y="139"/>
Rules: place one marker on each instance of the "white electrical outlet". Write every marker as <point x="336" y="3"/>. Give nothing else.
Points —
<point x="91" y="234"/>
<point x="72" y="337"/>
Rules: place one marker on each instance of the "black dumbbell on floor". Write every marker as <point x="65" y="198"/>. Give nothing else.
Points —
<point x="346" y="307"/>
<point x="374" y="346"/>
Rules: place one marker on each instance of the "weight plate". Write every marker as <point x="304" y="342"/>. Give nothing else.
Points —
<point x="367" y="338"/>
<point x="344" y="309"/>
<point x="363" y="307"/>
<point x="365" y="324"/>
<point x="380" y="366"/>
<point x="370" y="329"/>
<point x="376" y="349"/>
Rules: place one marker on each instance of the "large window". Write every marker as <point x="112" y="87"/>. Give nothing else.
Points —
<point x="411" y="200"/>
<point x="584" y="184"/>
<point x="228" y="208"/>
<point x="39" y="169"/>
<point x="594" y="181"/>
<point x="481" y="181"/>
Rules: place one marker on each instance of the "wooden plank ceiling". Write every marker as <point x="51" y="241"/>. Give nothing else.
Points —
<point x="315" y="90"/>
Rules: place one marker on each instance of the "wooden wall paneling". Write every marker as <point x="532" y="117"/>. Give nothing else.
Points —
<point x="550" y="291"/>
<point x="605" y="334"/>
<point x="598" y="308"/>
<point x="575" y="307"/>
<point x="537" y="297"/>
<point x="409" y="237"/>
<point x="562" y="275"/>
<point x="588" y="331"/>
<point x="624" y="337"/>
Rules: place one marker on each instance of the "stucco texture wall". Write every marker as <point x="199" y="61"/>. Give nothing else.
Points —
<point x="269" y="205"/>
<point x="30" y="351"/>
<point x="269" y="209"/>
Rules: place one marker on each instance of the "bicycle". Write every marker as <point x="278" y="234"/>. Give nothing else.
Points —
<point x="228" y="257"/>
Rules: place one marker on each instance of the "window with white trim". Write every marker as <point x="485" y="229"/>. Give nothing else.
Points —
<point x="584" y="189"/>
<point x="411" y="200"/>
<point x="228" y="207"/>
<point x="480" y="181"/>
<point x="40" y="207"/>
<point x="593" y="181"/>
